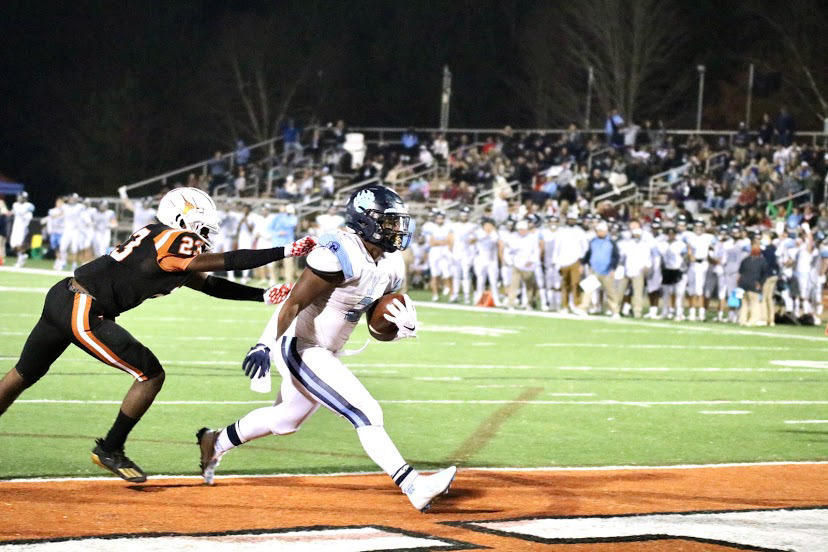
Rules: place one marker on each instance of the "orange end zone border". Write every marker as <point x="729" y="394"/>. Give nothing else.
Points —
<point x="32" y="511"/>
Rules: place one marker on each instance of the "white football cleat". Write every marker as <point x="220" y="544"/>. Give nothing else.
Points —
<point x="425" y="488"/>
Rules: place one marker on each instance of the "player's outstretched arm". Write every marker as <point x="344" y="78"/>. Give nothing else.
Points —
<point x="244" y="259"/>
<point x="221" y="288"/>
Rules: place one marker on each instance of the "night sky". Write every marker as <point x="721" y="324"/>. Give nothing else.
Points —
<point x="98" y="94"/>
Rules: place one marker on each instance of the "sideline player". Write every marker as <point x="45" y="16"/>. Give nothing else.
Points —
<point x="345" y="276"/>
<point x="22" y="211"/>
<point x="156" y="260"/>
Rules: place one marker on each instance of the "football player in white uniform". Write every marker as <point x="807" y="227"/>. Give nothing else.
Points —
<point x="71" y="244"/>
<point x="486" y="241"/>
<point x="717" y="258"/>
<point x="462" y="233"/>
<point x="552" y="275"/>
<point x="440" y="241"/>
<point x="103" y="222"/>
<point x="22" y="212"/>
<point x="734" y="254"/>
<point x="54" y="227"/>
<point x="349" y="271"/>
<point x="654" y="276"/>
<point x="699" y="245"/>
<point x="674" y="267"/>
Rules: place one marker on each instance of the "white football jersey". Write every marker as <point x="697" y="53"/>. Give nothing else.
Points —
<point x="329" y="321"/>
<point x="525" y="251"/>
<point x="54" y="222"/>
<point x="735" y="254"/>
<point x="463" y="231"/>
<point x="486" y="245"/>
<point x="102" y="220"/>
<point x="548" y="236"/>
<point x="22" y="212"/>
<point x="700" y="245"/>
<point x="673" y="254"/>
<point x="73" y="217"/>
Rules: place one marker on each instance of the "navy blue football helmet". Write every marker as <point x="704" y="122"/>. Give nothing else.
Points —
<point x="379" y="216"/>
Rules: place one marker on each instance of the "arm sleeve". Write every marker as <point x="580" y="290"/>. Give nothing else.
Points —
<point x="244" y="259"/>
<point x="225" y="289"/>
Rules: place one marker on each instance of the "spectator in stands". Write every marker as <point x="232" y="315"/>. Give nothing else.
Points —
<point x="327" y="183"/>
<point x="291" y="134"/>
<point x="597" y="185"/>
<point x="330" y="220"/>
<point x="614" y="129"/>
<point x="240" y="182"/>
<point x="242" y="153"/>
<point x="217" y="170"/>
<point x="741" y="140"/>
<point x="440" y="148"/>
<point x="766" y="130"/>
<point x="410" y="143"/>
<point x="785" y="126"/>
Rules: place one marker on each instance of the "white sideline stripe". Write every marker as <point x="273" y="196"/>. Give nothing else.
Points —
<point x="806" y="421"/>
<point x="608" y="402"/>
<point x="41" y="271"/>
<point x="725" y="412"/>
<point x="475" y="469"/>
<point x="666" y="346"/>
<point x="684" y="369"/>
<point x="780" y="370"/>
<point x="670" y="325"/>
<point x="24" y="289"/>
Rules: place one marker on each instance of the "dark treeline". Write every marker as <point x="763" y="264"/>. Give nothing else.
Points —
<point x="97" y="94"/>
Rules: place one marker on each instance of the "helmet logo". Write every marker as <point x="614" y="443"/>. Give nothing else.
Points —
<point x="187" y="207"/>
<point x="364" y="200"/>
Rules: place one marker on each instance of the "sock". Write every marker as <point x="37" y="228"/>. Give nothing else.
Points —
<point x="118" y="433"/>
<point x="381" y="450"/>
<point x="653" y="311"/>
<point x="702" y="313"/>
<point x="229" y="438"/>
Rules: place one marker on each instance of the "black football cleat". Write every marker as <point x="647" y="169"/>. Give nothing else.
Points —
<point x="118" y="463"/>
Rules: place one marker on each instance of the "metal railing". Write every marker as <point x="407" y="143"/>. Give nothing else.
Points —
<point x="804" y="194"/>
<point x="618" y="196"/>
<point x="715" y="161"/>
<point x="599" y="153"/>
<point x="666" y="179"/>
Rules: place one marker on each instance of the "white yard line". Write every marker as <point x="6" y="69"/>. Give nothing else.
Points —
<point x="23" y="289"/>
<point x="719" y="329"/>
<point x="668" y="346"/>
<point x="483" y="469"/>
<point x="39" y="271"/>
<point x="609" y="402"/>
<point x="685" y="369"/>
<point x="725" y="412"/>
<point x="806" y="421"/>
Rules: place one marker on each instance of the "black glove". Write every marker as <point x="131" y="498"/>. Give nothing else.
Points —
<point x="257" y="361"/>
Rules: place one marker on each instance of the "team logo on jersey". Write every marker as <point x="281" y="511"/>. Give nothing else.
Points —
<point x="364" y="200"/>
<point x="333" y="246"/>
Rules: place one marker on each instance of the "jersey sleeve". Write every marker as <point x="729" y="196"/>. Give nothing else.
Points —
<point x="176" y="249"/>
<point x="331" y="257"/>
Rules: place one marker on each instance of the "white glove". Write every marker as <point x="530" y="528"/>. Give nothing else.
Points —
<point x="404" y="316"/>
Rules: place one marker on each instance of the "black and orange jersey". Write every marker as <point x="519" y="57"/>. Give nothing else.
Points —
<point x="152" y="262"/>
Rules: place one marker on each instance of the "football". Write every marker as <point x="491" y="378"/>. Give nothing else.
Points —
<point x="380" y="328"/>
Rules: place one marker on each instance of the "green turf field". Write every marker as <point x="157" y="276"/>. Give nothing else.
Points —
<point x="479" y="388"/>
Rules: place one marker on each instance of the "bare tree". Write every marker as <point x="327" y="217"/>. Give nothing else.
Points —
<point x="631" y="45"/>
<point x="798" y="26"/>
<point x="269" y="68"/>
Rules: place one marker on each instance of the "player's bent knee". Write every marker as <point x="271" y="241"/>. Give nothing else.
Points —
<point x="373" y="412"/>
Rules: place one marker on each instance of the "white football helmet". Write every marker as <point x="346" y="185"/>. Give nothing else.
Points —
<point x="190" y="209"/>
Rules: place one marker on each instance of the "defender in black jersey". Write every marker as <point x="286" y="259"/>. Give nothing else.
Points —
<point x="154" y="261"/>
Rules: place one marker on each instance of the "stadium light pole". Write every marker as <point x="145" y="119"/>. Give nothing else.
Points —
<point x="749" y="97"/>
<point x="445" y="99"/>
<point x="590" y="78"/>
<point x="700" y="69"/>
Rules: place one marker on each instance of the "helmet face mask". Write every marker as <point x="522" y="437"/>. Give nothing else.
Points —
<point x="379" y="216"/>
